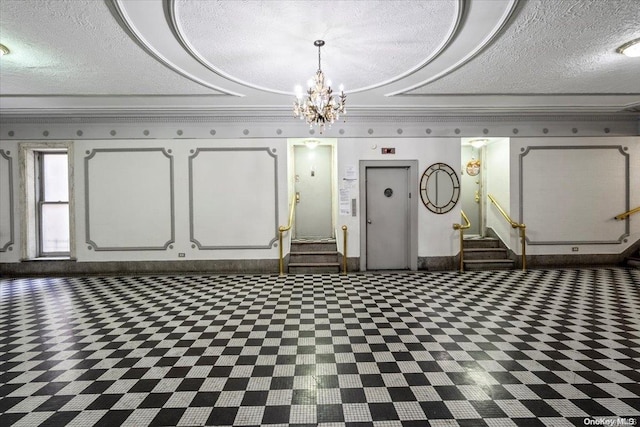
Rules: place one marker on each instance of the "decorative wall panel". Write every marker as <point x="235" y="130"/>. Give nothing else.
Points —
<point x="233" y="198"/>
<point x="570" y="194"/>
<point x="6" y="201"/>
<point x="129" y="195"/>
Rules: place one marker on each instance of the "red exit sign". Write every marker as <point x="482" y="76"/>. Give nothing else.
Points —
<point x="388" y="150"/>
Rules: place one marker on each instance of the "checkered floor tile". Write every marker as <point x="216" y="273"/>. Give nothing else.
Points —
<point x="506" y="348"/>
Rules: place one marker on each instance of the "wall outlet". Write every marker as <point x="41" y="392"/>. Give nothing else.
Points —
<point x="181" y="254"/>
<point x="574" y="249"/>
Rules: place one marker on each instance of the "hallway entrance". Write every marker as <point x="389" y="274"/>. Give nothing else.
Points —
<point x="313" y="187"/>
<point x="472" y="193"/>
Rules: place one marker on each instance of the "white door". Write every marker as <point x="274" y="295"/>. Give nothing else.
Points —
<point x="313" y="190"/>
<point x="387" y="218"/>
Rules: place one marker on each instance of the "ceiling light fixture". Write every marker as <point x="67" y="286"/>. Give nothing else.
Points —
<point x="4" y="50"/>
<point x="477" y="143"/>
<point x="320" y="107"/>
<point x="631" y="49"/>
<point x="311" y="143"/>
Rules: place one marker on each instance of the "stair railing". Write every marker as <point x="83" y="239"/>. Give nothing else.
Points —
<point x="514" y="224"/>
<point x="344" y="250"/>
<point x="283" y="229"/>
<point x="627" y="214"/>
<point x="467" y="224"/>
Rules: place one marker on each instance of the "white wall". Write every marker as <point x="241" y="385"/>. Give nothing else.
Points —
<point x="7" y="230"/>
<point x="570" y="189"/>
<point x="140" y="200"/>
<point x="498" y="175"/>
<point x="144" y="193"/>
<point x="10" y="238"/>
<point x="436" y="236"/>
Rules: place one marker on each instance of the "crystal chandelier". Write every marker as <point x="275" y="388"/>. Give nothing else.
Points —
<point x="320" y="106"/>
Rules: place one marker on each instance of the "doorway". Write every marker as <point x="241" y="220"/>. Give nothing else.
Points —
<point x="313" y="178"/>
<point x="472" y="186"/>
<point x="389" y="215"/>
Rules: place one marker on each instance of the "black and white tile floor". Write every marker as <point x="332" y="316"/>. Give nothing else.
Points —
<point x="507" y="348"/>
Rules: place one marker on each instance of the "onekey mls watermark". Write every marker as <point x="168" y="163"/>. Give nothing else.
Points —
<point x="611" y="421"/>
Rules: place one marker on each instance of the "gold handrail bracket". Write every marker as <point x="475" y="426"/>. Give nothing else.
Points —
<point x="627" y="214"/>
<point x="514" y="224"/>
<point x="283" y="229"/>
<point x="462" y="228"/>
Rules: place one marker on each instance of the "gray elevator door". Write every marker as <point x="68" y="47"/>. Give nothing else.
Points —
<point x="387" y="193"/>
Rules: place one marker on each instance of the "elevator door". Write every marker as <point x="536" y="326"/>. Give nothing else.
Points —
<point x="387" y="217"/>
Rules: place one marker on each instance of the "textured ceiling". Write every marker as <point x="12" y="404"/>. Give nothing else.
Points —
<point x="176" y="56"/>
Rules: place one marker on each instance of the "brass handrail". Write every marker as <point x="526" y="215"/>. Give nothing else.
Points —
<point x="282" y="229"/>
<point x="514" y="224"/>
<point x="627" y="214"/>
<point x="462" y="228"/>
<point x="344" y="250"/>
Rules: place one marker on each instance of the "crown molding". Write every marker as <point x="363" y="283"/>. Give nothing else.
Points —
<point x="364" y="116"/>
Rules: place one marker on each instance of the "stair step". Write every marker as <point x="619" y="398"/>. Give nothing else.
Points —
<point x="485" y="253"/>
<point x="312" y="264"/>
<point x="489" y="264"/>
<point x="633" y="262"/>
<point x="313" y="246"/>
<point x="485" y="242"/>
<point x="314" y="267"/>
<point x="313" y="257"/>
<point x="316" y="253"/>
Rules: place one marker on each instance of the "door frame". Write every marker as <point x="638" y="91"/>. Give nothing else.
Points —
<point x="412" y="176"/>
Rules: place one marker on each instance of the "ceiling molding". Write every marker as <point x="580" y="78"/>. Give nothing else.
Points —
<point x="127" y="24"/>
<point x="454" y="30"/>
<point x="176" y="29"/>
<point x="456" y="58"/>
<point x="493" y="35"/>
<point x="364" y="117"/>
<point x="437" y="104"/>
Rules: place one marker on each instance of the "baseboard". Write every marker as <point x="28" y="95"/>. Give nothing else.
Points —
<point x="74" y="268"/>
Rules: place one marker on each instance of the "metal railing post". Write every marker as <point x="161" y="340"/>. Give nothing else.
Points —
<point x="344" y="250"/>
<point x="281" y="231"/>
<point x="523" y="236"/>
<point x="281" y="263"/>
<point x="462" y="228"/>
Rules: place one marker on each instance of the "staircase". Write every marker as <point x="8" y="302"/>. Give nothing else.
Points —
<point x="634" y="260"/>
<point x="311" y="256"/>
<point x="485" y="254"/>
